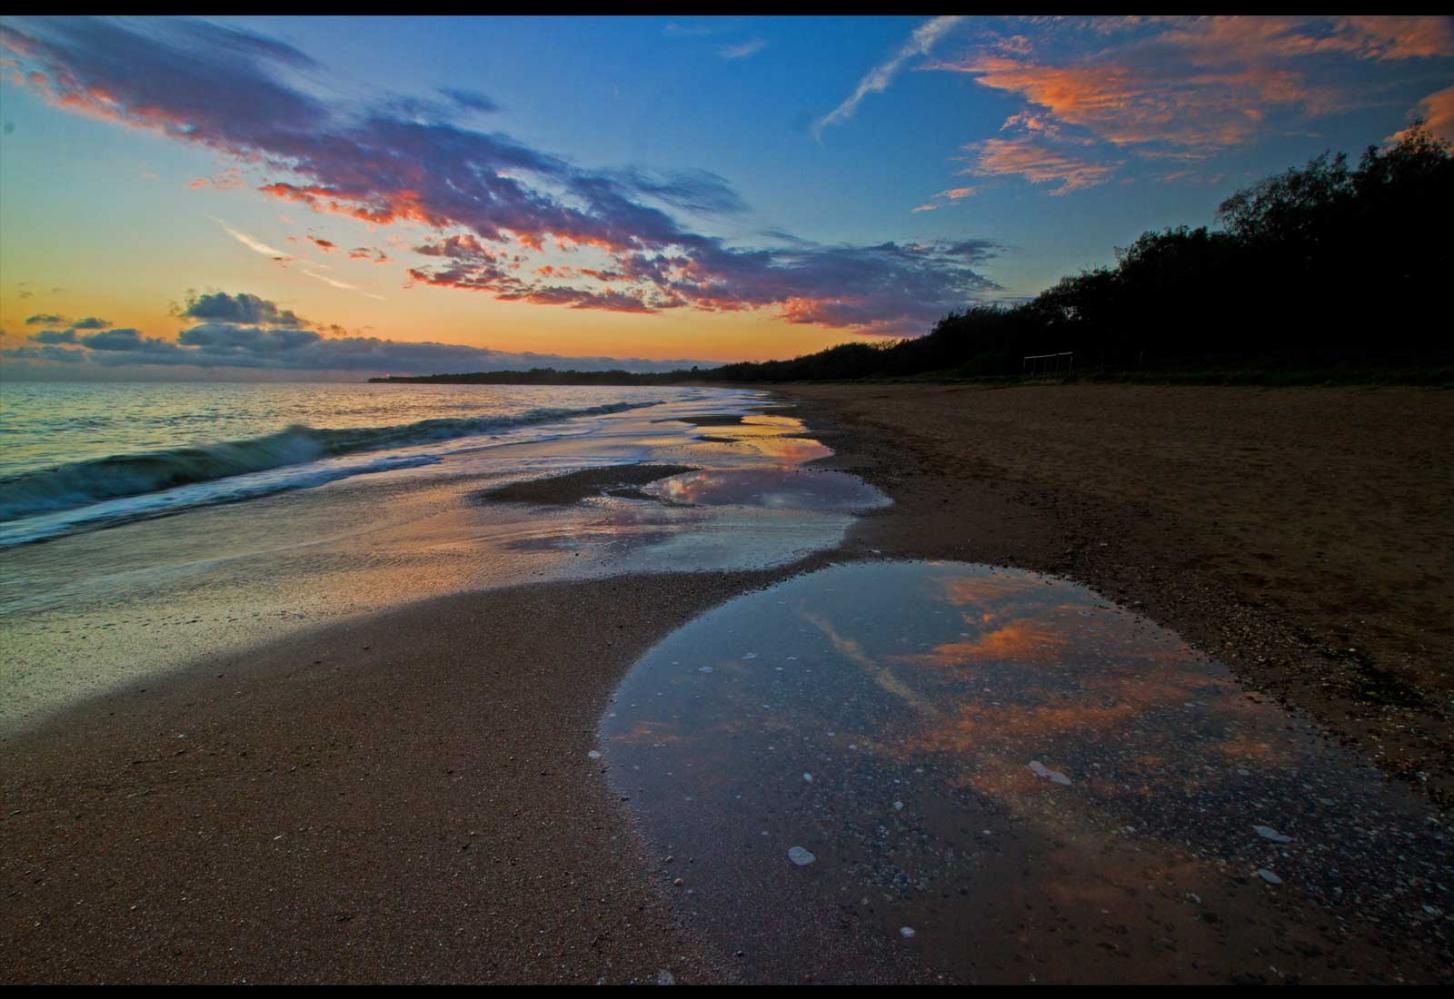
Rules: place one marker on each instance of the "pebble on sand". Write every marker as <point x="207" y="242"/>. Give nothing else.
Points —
<point x="1045" y="773"/>
<point x="906" y="932"/>
<point x="1268" y="876"/>
<point x="1267" y="832"/>
<point x="801" y="857"/>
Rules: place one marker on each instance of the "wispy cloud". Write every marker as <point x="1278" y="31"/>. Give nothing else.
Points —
<point x="744" y="50"/>
<point x="877" y="80"/>
<point x="252" y="243"/>
<point x="258" y="246"/>
<point x="943" y="198"/>
<point x="697" y="30"/>
<point x="336" y="283"/>
<point x="1036" y="161"/>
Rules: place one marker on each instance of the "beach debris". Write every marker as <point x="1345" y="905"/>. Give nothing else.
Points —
<point x="898" y="806"/>
<point x="907" y="932"/>
<point x="750" y="655"/>
<point x="1045" y="773"/>
<point x="1268" y="876"/>
<point x="800" y="856"/>
<point x="1267" y="832"/>
<point x="704" y="669"/>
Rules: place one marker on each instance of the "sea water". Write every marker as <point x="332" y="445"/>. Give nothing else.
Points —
<point x="84" y="456"/>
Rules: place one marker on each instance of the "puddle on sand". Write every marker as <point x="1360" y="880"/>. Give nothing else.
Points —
<point x="776" y="488"/>
<point x="925" y="771"/>
<point x="751" y="505"/>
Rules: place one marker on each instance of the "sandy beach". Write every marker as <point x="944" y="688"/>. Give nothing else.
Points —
<point x="408" y="796"/>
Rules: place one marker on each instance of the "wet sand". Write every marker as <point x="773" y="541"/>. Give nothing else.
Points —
<point x="561" y="490"/>
<point x="1303" y="536"/>
<point x="408" y="797"/>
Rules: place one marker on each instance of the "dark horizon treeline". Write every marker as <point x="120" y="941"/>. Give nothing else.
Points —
<point x="1321" y="266"/>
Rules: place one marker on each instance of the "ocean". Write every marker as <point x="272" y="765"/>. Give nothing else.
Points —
<point x="84" y="456"/>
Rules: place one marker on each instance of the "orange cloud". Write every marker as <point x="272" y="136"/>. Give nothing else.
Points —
<point x="1018" y="641"/>
<point x="1197" y="84"/>
<point x="1124" y="105"/>
<point x="1386" y="37"/>
<point x="1437" y="110"/>
<point x="1038" y="163"/>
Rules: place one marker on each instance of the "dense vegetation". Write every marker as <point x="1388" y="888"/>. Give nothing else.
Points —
<point x="1321" y="267"/>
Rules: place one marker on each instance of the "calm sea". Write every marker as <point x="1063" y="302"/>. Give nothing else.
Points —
<point x="81" y="456"/>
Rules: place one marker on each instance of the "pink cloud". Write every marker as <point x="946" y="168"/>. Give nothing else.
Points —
<point x="1196" y="84"/>
<point x="1038" y="162"/>
<point x="1437" y="110"/>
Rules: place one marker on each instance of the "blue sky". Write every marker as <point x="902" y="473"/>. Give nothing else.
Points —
<point x="745" y="187"/>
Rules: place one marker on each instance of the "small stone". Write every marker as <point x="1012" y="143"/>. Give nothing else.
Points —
<point x="906" y="932"/>
<point x="898" y="806"/>
<point x="1268" y="876"/>
<point x="1267" y="832"/>
<point x="664" y="977"/>
<point x="594" y="754"/>
<point x="1045" y="773"/>
<point x="808" y="777"/>
<point x="801" y="857"/>
<point x="677" y="881"/>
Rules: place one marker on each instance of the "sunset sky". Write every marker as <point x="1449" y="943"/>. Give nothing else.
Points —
<point x="296" y="197"/>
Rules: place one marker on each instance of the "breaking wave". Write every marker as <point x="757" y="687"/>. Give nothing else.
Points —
<point x="83" y="483"/>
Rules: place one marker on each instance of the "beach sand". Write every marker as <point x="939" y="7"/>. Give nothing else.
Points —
<point x="408" y="796"/>
<point x="405" y="799"/>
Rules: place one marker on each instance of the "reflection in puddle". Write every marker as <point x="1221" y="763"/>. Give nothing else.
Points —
<point x="749" y="503"/>
<point x="791" y="488"/>
<point x="893" y="771"/>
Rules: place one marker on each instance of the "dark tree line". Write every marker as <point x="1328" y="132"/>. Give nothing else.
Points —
<point x="1323" y="265"/>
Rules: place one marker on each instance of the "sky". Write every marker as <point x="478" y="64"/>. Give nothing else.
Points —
<point x="286" y="197"/>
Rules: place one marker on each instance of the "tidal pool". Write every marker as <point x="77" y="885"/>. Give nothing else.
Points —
<point x="893" y="771"/>
<point x="791" y="487"/>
